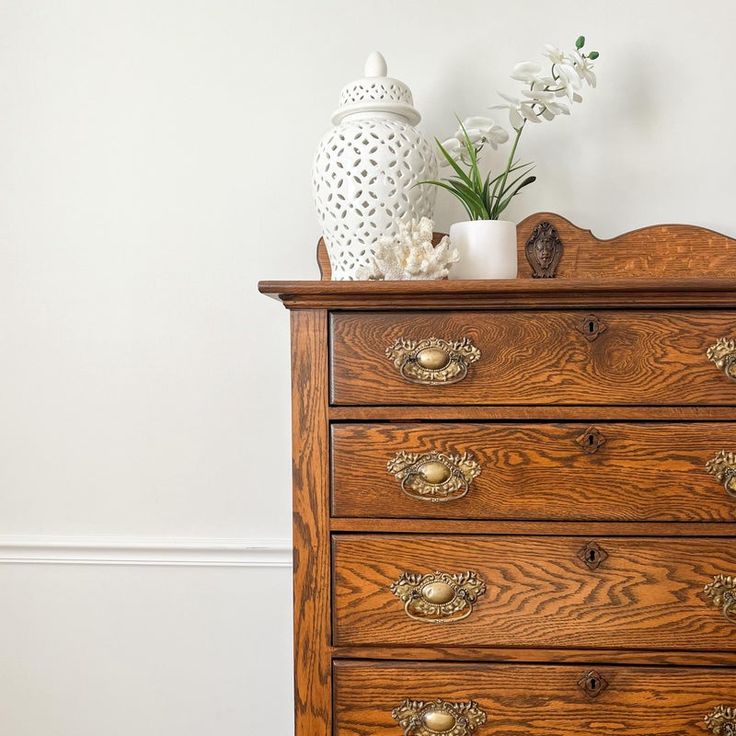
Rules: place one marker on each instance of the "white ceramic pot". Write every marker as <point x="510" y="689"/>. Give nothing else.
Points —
<point x="366" y="169"/>
<point x="487" y="249"/>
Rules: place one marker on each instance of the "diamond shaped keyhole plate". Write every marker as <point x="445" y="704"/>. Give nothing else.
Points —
<point x="593" y="555"/>
<point x="591" y="327"/>
<point x="591" y="440"/>
<point x="592" y="683"/>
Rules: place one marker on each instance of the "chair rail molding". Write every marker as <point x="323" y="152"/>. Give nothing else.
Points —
<point x="134" y="550"/>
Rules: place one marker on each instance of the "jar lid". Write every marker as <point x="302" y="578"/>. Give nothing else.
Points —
<point x="376" y="92"/>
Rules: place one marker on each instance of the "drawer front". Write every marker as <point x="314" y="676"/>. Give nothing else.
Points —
<point x="535" y="592"/>
<point x="508" y="700"/>
<point x="611" y="357"/>
<point x="575" y="471"/>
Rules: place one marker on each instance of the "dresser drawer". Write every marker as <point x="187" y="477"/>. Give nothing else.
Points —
<point x="610" y="357"/>
<point x="620" y="592"/>
<point x="623" y="471"/>
<point x="508" y="700"/>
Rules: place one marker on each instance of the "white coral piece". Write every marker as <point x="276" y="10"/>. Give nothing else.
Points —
<point x="410" y="255"/>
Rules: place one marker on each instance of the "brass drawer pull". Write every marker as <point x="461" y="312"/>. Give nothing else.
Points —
<point x="723" y="467"/>
<point x="433" y="362"/>
<point x="723" y="354"/>
<point x="721" y="721"/>
<point x="420" y="718"/>
<point x="722" y="594"/>
<point x="438" y="597"/>
<point x="434" y="476"/>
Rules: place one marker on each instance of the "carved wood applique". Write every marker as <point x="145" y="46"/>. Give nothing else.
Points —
<point x="544" y="250"/>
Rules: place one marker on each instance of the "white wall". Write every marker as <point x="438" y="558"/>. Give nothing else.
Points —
<point x="154" y="164"/>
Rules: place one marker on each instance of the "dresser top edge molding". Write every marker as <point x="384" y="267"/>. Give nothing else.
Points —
<point x="518" y="293"/>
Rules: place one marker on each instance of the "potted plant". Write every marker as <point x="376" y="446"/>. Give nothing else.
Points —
<point x="486" y="243"/>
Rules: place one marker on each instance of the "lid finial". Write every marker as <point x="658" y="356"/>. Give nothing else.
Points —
<point x="375" y="65"/>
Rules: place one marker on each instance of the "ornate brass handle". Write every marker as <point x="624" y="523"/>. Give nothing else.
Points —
<point x="438" y="597"/>
<point x="723" y="354"/>
<point x="721" y="721"/>
<point x="433" y="362"/>
<point x="420" y="718"/>
<point x="723" y="467"/>
<point x="434" y="476"/>
<point x="722" y="594"/>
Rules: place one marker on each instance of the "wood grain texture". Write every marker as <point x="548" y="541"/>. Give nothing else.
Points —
<point x="534" y="700"/>
<point x="533" y="413"/>
<point x="648" y="594"/>
<point x="665" y="295"/>
<point x="539" y="358"/>
<point x="500" y="294"/>
<point x="598" y="656"/>
<point x="659" y="250"/>
<point x="311" y="575"/>
<point x="536" y="528"/>
<point x="642" y="472"/>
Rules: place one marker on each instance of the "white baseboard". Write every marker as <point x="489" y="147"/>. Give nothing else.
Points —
<point x="196" y="552"/>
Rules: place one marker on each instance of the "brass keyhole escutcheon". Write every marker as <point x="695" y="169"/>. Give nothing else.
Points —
<point x="593" y="555"/>
<point x="591" y="440"/>
<point x="591" y="327"/>
<point x="592" y="683"/>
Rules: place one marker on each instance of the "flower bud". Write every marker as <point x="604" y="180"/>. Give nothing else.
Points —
<point x="580" y="42"/>
<point x="593" y="55"/>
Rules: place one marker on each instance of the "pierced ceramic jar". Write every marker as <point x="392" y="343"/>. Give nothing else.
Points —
<point x="367" y="166"/>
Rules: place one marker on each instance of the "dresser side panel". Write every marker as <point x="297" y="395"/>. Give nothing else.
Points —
<point x="312" y="665"/>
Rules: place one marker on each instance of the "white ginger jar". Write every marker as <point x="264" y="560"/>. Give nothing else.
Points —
<point x="366" y="168"/>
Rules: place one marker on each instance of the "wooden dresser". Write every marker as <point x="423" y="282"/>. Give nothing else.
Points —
<point x="515" y="501"/>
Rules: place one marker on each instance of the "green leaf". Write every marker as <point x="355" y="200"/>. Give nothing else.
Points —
<point x="509" y="185"/>
<point x="580" y="42"/>
<point x="495" y="194"/>
<point x="593" y="55"/>
<point x="454" y="193"/>
<point x="468" y="196"/>
<point x="484" y="195"/>
<point x="471" y="197"/>
<point x="454" y="163"/>
<point x="505" y="202"/>
<point x="495" y="182"/>
<point x="473" y="156"/>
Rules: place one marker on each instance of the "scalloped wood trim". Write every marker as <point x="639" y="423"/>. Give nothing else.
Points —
<point x="658" y="251"/>
<point x="667" y="251"/>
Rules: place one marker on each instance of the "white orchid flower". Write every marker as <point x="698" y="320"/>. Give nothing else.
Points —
<point x="555" y="55"/>
<point x="526" y="71"/>
<point x="514" y="108"/>
<point x="567" y="82"/>
<point x="481" y="130"/>
<point x="584" y="68"/>
<point x="527" y="112"/>
<point x="548" y="100"/>
<point x="455" y="148"/>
